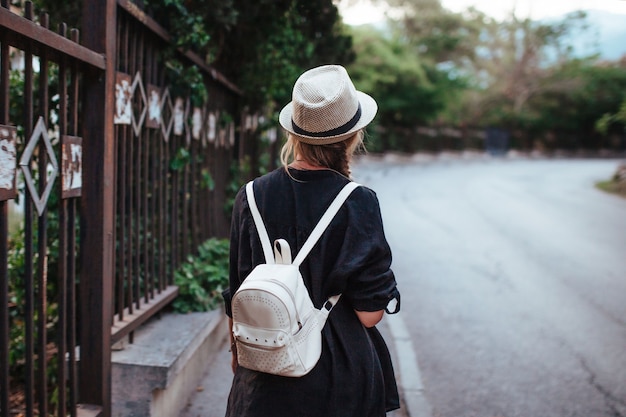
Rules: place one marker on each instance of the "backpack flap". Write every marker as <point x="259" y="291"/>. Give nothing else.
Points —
<point x="266" y="298"/>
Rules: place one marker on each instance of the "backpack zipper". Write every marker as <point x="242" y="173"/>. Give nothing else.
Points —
<point x="293" y="300"/>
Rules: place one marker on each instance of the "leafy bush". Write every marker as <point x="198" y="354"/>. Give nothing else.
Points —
<point x="202" y="278"/>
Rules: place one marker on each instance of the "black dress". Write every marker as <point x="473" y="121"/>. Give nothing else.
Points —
<point x="354" y="376"/>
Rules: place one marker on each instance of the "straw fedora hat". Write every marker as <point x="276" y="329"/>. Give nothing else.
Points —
<point x="325" y="107"/>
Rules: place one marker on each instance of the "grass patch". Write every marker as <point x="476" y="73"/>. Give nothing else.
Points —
<point x="612" y="187"/>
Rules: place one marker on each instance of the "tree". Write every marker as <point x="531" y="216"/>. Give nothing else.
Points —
<point x="520" y="59"/>
<point x="435" y="33"/>
<point x="409" y="90"/>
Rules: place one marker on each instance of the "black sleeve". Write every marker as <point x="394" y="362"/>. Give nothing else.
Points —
<point x="227" y="296"/>
<point x="239" y="256"/>
<point x="366" y="255"/>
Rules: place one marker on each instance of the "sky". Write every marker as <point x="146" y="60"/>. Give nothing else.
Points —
<point x="537" y="9"/>
<point x="363" y="12"/>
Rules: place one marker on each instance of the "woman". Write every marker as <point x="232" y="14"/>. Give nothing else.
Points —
<point x="354" y="376"/>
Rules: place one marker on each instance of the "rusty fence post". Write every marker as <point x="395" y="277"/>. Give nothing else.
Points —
<point x="97" y="206"/>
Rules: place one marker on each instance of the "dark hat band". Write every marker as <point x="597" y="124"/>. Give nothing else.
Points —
<point x="345" y="128"/>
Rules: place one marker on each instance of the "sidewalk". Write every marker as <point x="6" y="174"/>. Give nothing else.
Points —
<point x="210" y="397"/>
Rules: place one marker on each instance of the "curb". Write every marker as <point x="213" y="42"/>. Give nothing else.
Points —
<point x="415" y="400"/>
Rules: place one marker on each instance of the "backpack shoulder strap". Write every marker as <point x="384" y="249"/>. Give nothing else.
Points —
<point x="315" y="234"/>
<point x="325" y="221"/>
<point x="260" y="226"/>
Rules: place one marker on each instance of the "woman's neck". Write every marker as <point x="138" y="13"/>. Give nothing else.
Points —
<point x="303" y="164"/>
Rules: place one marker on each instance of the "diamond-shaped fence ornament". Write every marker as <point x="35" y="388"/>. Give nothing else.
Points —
<point x="140" y="101"/>
<point x="40" y="132"/>
<point x="167" y="115"/>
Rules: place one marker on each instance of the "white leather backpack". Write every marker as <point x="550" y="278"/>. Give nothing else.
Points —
<point x="276" y="328"/>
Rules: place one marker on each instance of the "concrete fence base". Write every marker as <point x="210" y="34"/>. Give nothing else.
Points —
<point x="157" y="374"/>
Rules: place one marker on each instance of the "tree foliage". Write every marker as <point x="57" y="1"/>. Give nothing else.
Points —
<point x="262" y="46"/>
<point x="435" y="33"/>
<point x="604" y="124"/>
<point x="519" y="60"/>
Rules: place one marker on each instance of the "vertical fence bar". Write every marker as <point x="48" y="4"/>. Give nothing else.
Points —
<point x="183" y="196"/>
<point x="71" y="308"/>
<point x="144" y="217"/>
<point x="128" y="139"/>
<point x="147" y="232"/>
<point x="131" y="49"/>
<point x="4" y="311"/>
<point x="209" y="192"/>
<point x="136" y="184"/>
<point x="192" y="225"/>
<point x="210" y="207"/>
<point x="151" y="143"/>
<point x="29" y="387"/>
<point x="168" y="212"/>
<point x="62" y="308"/>
<point x="63" y="242"/>
<point x="162" y="205"/>
<point x="174" y="204"/>
<point x="130" y="208"/>
<point x="180" y="207"/>
<point x="152" y="138"/>
<point x="71" y="249"/>
<point x="42" y="241"/>
<point x="122" y="297"/>
<point x="206" y="214"/>
<point x="121" y="225"/>
<point x="120" y="272"/>
<point x="126" y="136"/>
<point x="144" y="184"/>
<point x="199" y="196"/>
<point x="4" y="248"/>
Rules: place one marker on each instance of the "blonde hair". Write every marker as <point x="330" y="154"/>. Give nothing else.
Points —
<point x="335" y="156"/>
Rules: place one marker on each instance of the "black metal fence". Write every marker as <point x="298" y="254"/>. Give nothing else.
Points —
<point x="173" y="161"/>
<point x="118" y="180"/>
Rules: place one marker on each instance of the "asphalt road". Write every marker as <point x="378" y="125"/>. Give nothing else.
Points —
<point x="513" y="281"/>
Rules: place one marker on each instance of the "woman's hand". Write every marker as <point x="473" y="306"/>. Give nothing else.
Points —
<point x="233" y="347"/>
<point x="233" y="360"/>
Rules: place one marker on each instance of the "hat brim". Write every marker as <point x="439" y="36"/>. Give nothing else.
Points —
<point x="368" y="111"/>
